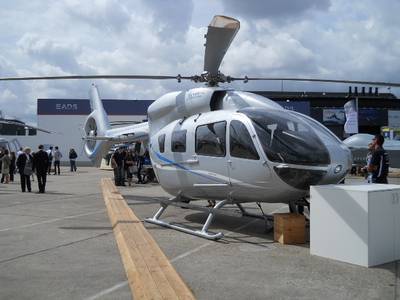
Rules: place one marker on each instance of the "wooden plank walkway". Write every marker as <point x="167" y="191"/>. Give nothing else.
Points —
<point x="149" y="272"/>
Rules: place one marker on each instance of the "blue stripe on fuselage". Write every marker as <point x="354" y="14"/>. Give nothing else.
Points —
<point x="179" y="166"/>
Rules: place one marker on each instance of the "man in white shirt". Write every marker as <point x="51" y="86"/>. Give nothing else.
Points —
<point x="57" y="159"/>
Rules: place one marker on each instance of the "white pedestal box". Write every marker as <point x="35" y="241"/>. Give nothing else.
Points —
<point x="358" y="224"/>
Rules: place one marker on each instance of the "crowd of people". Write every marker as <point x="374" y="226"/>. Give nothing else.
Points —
<point x="128" y="162"/>
<point x="27" y="163"/>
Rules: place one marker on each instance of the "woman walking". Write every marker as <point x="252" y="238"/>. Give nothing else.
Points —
<point x="5" y="166"/>
<point x="12" y="165"/>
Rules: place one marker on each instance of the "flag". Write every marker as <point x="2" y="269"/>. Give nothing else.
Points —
<point x="350" y="110"/>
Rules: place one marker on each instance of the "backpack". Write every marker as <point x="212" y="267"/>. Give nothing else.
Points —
<point x="73" y="155"/>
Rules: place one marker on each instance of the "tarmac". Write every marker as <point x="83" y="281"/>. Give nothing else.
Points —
<point x="60" y="245"/>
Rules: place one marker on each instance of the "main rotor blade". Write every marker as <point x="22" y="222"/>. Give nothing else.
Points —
<point x="25" y="126"/>
<point x="220" y="34"/>
<point x="378" y="83"/>
<point x="157" y="77"/>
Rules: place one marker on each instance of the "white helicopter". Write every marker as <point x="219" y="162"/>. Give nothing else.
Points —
<point x="219" y="144"/>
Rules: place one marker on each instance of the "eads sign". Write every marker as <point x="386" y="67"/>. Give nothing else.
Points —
<point x="66" y="106"/>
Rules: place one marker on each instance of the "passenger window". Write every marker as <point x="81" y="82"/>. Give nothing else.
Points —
<point x="210" y="139"/>
<point x="241" y="144"/>
<point x="178" y="141"/>
<point x="161" y="143"/>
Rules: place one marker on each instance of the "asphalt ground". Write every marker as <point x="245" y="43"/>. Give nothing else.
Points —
<point x="60" y="245"/>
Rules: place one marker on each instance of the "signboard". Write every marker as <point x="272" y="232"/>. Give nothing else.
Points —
<point x="350" y="110"/>
<point x="333" y="116"/>
<point x="82" y="107"/>
<point x="299" y="106"/>
<point x="394" y="118"/>
<point x="372" y="117"/>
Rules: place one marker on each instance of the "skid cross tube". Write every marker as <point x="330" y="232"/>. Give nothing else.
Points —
<point x="245" y="213"/>
<point x="204" y="233"/>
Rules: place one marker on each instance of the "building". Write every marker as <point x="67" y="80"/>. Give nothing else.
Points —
<point x="375" y="109"/>
<point x="66" y="117"/>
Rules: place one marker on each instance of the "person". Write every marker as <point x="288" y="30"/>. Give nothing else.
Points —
<point x="5" y="167"/>
<point x="379" y="164"/>
<point x="1" y="163"/>
<point x="72" y="159"/>
<point x="148" y="175"/>
<point x="57" y="158"/>
<point x="50" y="155"/>
<point x="33" y="173"/>
<point x="41" y="163"/>
<point x="12" y="165"/>
<point x="20" y="151"/>
<point x="140" y="161"/>
<point x="130" y="166"/>
<point x="25" y="167"/>
<point x="368" y="175"/>
<point x="117" y="163"/>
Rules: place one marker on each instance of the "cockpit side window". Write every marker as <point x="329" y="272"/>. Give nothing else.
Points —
<point x="240" y="142"/>
<point x="161" y="143"/>
<point x="288" y="138"/>
<point x="178" y="141"/>
<point x="210" y="139"/>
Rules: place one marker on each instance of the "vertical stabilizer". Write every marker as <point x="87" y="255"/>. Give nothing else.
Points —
<point x="97" y="108"/>
<point x="96" y="124"/>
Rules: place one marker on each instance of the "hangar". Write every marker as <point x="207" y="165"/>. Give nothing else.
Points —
<point x="66" y="117"/>
<point x="375" y="109"/>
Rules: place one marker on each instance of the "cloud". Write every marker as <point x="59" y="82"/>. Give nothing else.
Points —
<point x="324" y="39"/>
<point x="170" y="23"/>
<point x="273" y="9"/>
<point x="109" y="15"/>
<point x="57" y="53"/>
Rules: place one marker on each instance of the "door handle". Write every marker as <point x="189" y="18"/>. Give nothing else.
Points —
<point x="282" y="166"/>
<point x="191" y="161"/>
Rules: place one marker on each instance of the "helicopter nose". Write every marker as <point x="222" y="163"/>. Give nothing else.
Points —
<point x="341" y="161"/>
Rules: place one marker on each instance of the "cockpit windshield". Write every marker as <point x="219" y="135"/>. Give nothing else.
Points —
<point x="286" y="138"/>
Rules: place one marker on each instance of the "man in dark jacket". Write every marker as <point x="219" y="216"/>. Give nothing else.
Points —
<point x="50" y="155"/>
<point x="379" y="163"/>
<point x="41" y="163"/>
<point x="25" y="167"/>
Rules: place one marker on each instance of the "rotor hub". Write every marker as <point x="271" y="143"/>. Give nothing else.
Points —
<point x="211" y="79"/>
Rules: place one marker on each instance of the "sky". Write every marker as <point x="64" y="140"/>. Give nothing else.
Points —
<point x="334" y="39"/>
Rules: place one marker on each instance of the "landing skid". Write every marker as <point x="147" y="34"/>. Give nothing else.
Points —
<point x="204" y="233"/>
<point x="245" y="213"/>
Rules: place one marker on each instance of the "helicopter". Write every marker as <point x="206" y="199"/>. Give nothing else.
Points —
<point x="13" y="145"/>
<point x="213" y="143"/>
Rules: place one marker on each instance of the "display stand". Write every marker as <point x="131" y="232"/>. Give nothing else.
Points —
<point x="358" y="224"/>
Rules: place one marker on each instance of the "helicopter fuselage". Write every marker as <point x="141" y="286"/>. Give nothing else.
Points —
<point x="210" y="143"/>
